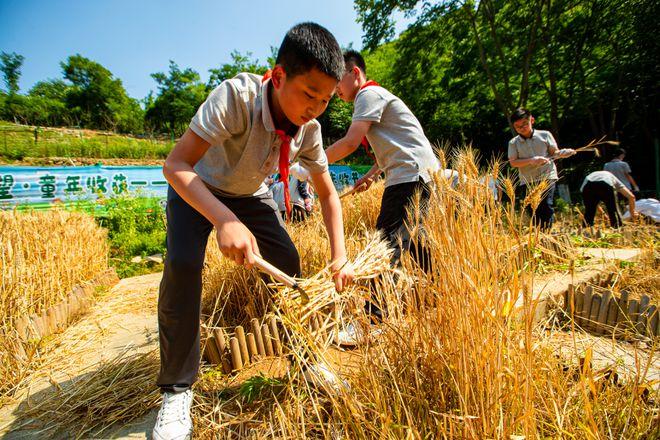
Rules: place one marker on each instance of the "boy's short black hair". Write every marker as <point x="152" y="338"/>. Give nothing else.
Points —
<point x="354" y="58"/>
<point x="618" y="152"/>
<point x="307" y="46"/>
<point x="518" y="114"/>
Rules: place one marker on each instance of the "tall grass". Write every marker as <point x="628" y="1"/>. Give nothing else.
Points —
<point x="18" y="142"/>
<point x="454" y="361"/>
<point x="42" y="257"/>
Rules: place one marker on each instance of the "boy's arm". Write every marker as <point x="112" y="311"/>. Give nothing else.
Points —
<point x="631" y="200"/>
<point x="334" y="224"/>
<point x="364" y="182"/>
<point x="234" y="239"/>
<point x="632" y="181"/>
<point x="536" y="160"/>
<point x="349" y="143"/>
<point x="515" y="162"/>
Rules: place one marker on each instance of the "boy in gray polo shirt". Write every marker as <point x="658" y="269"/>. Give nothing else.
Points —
<point x="533" y="152"/>
<point x="621" y="170"/>
<point x="247" y="128"/>
<point x="402" y="151"/>
<point x="400" y="147"/>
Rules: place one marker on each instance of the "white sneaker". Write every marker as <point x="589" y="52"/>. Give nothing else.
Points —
<point x="174" y="421"/>
<point x="320" y="376"/>
<point x="353" y="334"/>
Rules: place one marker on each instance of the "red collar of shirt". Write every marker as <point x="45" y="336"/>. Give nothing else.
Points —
<point x="283" y="163"/>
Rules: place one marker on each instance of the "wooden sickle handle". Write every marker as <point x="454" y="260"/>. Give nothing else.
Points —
<point x="280" y="276"/>
<point x="274" y="272"/>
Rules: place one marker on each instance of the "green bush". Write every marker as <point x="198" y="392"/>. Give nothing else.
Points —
<point x="136" y="227"/>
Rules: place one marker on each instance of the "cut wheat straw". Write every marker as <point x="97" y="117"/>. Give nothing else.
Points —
<point x="119" y="391"/>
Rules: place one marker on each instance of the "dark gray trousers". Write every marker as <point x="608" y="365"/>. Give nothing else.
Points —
<point x="179" y="299"/>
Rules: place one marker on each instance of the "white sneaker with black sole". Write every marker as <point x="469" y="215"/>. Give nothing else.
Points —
<point x="320" y="376"/>
<point x="353" y="334"/>
<point x="174" y="421"/>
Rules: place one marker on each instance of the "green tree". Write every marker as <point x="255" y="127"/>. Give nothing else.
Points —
<point x="47" y="104"/>
<point x="10" y="65"/>
<point x="586" y="68"/>
<point x="240" y="63"/>
<point x="180" y="93"/>
<point x="96" y="99"/>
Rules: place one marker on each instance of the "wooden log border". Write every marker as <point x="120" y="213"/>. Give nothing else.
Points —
<point x="235" y="349"/>
<point x="606" y="314"/>
<point x="59" y="316"/>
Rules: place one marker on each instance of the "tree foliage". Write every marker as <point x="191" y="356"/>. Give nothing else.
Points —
<point x="96" y="99"/>
<point x="586" y="68"/>
<point x="10" y="65"/>
<point x="240" y="63"/>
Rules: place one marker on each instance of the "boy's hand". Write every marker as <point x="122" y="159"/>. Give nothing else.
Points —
<point x="342" y="274"/>
<point x="566" y="152"/>
<point x="237" y="243"/>
<point x="363" y="184"/>
<point x="540" y="160"/>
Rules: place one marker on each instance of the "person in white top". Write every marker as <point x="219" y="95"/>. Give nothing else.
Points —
<point x="600" y="186"/>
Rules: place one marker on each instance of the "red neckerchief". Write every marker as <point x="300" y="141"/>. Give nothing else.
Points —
<point x="365" y="142"/>
<point x="285" y="148"/>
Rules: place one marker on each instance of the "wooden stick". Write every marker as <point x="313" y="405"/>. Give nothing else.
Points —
<point x="612" y="313"/>
<point x="633" y="309"/>
<point x="642" y="316"/>
<point x="268" y="343"/>
<point x="61" y="316"/>
<point x="651" y="321"/>
<point x="595" y="310"/>
<point x="237" y="362"/>
<point x="211" y="351"/>
<point x="44" y="320"/>
<point x="242" y="344"/>
<point x="252" y="347"/>
<point x="22" y="328"/>
<point x="579" y="308"/>
<point x="569" y="300"/>
<point x="275" y="334"/>
<point x="34" y="325"/>
<point x="256" y="329"/>
<point x="586" y="311"/>
<point x="602" y="314"/>
<point x="220" y="340"/>
<point x="280" y="276"/>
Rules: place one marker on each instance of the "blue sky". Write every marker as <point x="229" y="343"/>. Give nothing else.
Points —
<point x="136" y="38"/>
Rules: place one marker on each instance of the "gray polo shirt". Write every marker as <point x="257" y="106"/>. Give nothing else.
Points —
<point x="606" y="177"/>
<point x="402" y="150"/>
<point x="538" y="145"/>
<point x="236" y="120"/>
<point x="619" y="168"/>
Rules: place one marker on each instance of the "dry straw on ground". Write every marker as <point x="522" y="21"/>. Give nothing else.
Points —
<point x="117" y="392"/>
<point x="452" y="361"/>
<point x="42" y="257"/>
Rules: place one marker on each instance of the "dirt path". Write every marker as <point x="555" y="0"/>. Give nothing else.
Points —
<point x="122" y="321"/>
